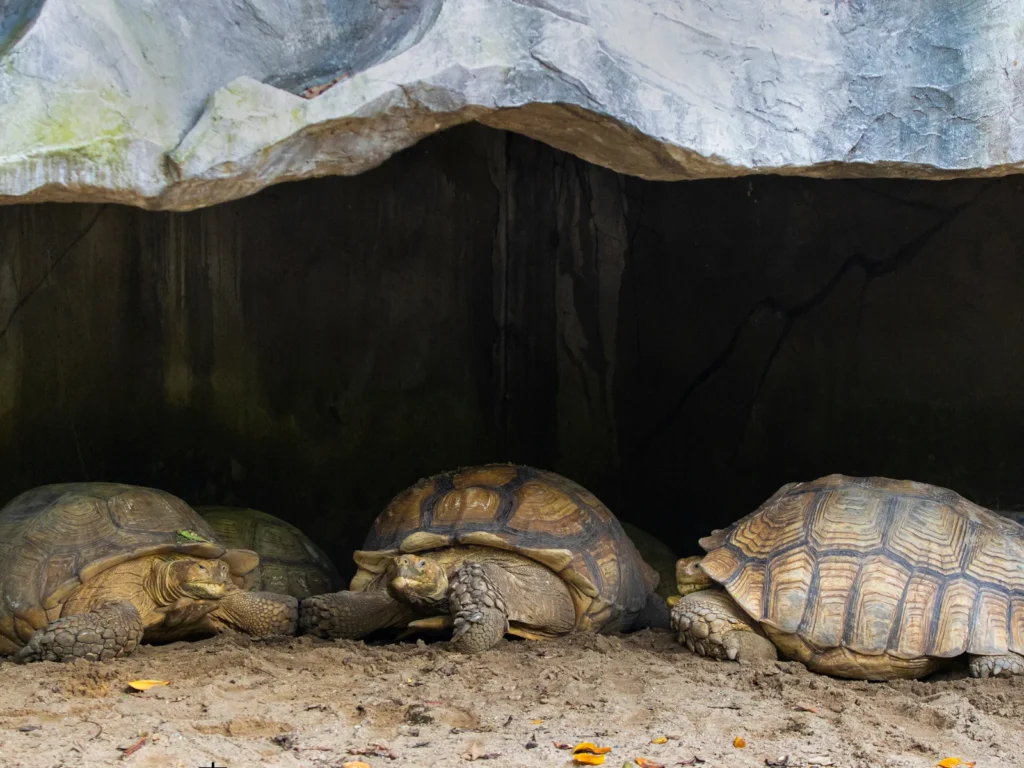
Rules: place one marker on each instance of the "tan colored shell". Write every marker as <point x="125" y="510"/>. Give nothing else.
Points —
<point x="290" y="563"/>
<point x="537" y="514"/>
<point x="875" y="566"/>
<point x="55" y="538"/>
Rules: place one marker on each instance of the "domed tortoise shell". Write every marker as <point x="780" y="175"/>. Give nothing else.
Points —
<point x="55" y="538"/>
<point x="877" y="566"/>
<point x="538" y="514"/>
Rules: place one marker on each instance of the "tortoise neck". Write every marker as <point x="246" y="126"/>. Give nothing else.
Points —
<point x="160" y="583"/>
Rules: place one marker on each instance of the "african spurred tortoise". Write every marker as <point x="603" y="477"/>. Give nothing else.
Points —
<point x="493" y="549"/>
<point x="87" y="570"/>
<point x="860" y="577"/>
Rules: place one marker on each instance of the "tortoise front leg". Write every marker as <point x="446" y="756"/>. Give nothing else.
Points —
<point x="352" y="615"/>
<point x="477" y="603"/>
<point x="260" y="614"/>
<point x="1004" y="665"/>
<point x="711" y="624"/>
<point x="108" y="632"/>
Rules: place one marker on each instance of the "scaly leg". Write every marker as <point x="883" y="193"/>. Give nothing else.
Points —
<point x="259" y="614"/>
<point x="481" y="616"/>
<point x="352" y="615"/>
<point x="712" y="624"/>
<point x="106" y="633"/>
<point x="996" y="666"/>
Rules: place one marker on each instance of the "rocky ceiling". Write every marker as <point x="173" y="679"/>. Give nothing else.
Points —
<point x="186" y="104"/>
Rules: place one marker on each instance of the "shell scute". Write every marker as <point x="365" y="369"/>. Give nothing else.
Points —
<point x="748" y="585"/>
<point x="826" y="615"/>
<point x="1016" y="623"/>
<point x="919" y="611"/>
<point x="989" y="629"/>
<point x="774" y="527"/>
<point x="542" y="508"/>
<point x="847" y="521"/>
<point x="997" y="559"/>
<point x="929" y="535"/>
<point x="876" y="602"/>
<point x="790" y="577"/>
<point x="954" y="618"/>
<point x="466" y="506"/>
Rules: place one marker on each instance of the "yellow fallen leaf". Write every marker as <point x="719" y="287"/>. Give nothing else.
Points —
<point x="660" y="740"/>
<point x="355" y="764"/>
<point x="739" y="742"/>
<point x="591" y="747"/>
<point x="953" y="762"/>
<point x="586" y="758"/>
<point x="145" y="685"/>
<point x="536" y="722"/>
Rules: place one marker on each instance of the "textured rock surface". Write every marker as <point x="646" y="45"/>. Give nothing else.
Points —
<point x="179" y="105"/>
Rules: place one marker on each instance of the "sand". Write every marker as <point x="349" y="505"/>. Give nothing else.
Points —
<point x="307" y="702"/>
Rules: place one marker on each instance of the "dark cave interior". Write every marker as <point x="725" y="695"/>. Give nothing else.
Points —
<point x="682" y="349"/>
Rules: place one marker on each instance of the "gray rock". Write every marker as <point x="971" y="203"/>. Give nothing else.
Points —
<point x="185" y="104"/>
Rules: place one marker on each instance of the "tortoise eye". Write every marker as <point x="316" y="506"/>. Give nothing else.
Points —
<point x="423" y="563"/>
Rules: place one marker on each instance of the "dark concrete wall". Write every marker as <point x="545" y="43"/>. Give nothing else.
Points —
<point x="681" y="348"/>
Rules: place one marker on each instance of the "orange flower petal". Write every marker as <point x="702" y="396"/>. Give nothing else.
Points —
<point x="643" y="762"/>
<point x="953" y="762"/>
<point x="660" y="740"/>
<point x="739" y="742"/>
<point x="585" y="758"/>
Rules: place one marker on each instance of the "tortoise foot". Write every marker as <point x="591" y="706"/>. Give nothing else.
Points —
<point x="996" y="666"/>
<point x="711" y="624"/>
<point x="481" y="616"/>
<point x="259" y="614"/>
<point x="106" y="633"/>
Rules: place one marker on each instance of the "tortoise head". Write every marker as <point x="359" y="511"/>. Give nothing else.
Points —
<point x="418" y="580"/>
<point x="198" y="578"/>
<point x="690" y="577"/>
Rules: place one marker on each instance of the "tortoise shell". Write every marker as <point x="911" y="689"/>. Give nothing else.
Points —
<point x="290" y="563"/>
<point x="876" y="566"/>
<point x="535" y="513"/>
<point x="55" y="538"/>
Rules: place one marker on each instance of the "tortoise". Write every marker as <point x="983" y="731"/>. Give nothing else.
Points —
<point x="88" y="570"/>
<point x="491" y="550"/>
<point x="868" y="578"/>
<point x="290" y="563"/>
<point x="657" y="554"/>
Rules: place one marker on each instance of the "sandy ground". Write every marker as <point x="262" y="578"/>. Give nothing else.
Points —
<point x="306" y="702"/>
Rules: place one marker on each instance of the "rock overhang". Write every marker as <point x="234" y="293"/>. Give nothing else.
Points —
<point x="185" y="105"/>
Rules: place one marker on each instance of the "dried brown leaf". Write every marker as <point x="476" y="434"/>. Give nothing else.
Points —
<point x="373" y="750"/>
<point x="127" y="751"/>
